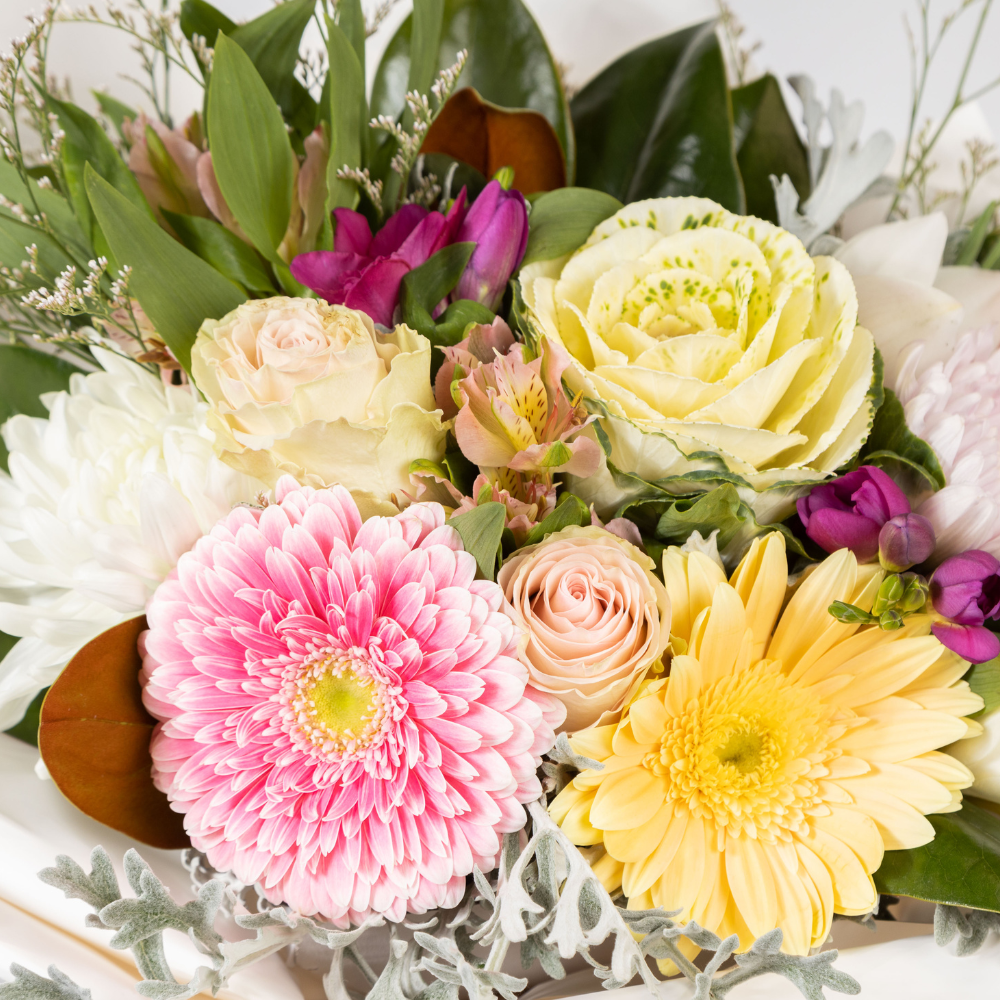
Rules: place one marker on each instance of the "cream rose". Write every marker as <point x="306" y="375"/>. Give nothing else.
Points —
<point x="301" y="387"/>
<point x="707" y="341"/>
<point x="595" y="616"/>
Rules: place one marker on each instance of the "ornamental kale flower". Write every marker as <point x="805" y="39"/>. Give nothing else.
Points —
<point x="343" y="716"/>
<point x="364" y="271"/>
<point x="848" y="513"/>
<point x="966" y="590"/>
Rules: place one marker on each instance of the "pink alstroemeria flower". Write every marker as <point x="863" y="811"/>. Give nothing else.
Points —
<point x="364" y="272"/>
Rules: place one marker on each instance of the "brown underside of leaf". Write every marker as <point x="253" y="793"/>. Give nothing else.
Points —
<point x="94" y="740"/>
<point x="488" y="137"/>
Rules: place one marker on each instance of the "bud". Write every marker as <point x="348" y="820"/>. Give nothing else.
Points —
<point x="850" y="614"/>
<point x="904" y="541"/>
<point x="966" y="590"/>
<point x="914" y="594"/>
<point x="889" y="621"/>
<point x="889" y="593"/>
<point x="505" y="177"/>
<point x="498" y="224"/>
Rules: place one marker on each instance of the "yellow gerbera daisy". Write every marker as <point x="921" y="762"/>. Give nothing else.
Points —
<point x="758" y="785"/>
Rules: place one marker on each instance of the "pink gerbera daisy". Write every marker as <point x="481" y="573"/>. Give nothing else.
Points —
<point x="344" y="720"/>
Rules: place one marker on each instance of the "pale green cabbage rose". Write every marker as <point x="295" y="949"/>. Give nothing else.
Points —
<point x="709" y="342"/>
<point x="302" y="387"/>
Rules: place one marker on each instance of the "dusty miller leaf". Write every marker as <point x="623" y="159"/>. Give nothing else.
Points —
<point x="28" y="985"/>
<point x="972" y="928"/>
<point x="98" y="889"/>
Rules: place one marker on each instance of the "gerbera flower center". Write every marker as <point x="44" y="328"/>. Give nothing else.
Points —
<point x="339" y="702"/>
<point x="740" y="752"/>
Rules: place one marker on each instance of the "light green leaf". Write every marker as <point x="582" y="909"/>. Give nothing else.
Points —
<point x="570" y="510"/>
<point x="561" y="221"/>
<point x="348" y="117"/>
<point x="351" y="19"/>
<point x="177" y="290"/>
<point x="658" y="122"/>
<point x="224" y="250"/>
<point x="252" y="156"/>
<point x="977" y="236"/>
<point x="24" y="375"/>
<point x="481" y="530"/>
<point x="54" y="205"/>
<point x="425" y="286"/>
<point x="115" y="112"/>
<point x="428" y="17"/>
<point x="960" y="866"/>
<point x="201" y="18"/>
<point x="984" y="679"/>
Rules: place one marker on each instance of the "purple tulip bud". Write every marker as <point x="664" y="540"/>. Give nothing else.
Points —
<point x="966" y="590"/>
<point x="849" y="512"/>
<point x="498" y="223"/>
<point x="904" y="541"/>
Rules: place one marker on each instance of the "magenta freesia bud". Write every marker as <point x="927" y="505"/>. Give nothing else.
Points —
<point x="966" y="590"/>
<point x="497" y="223"/>
<point x="904" y="541"/>
<point x="848" y="513"/>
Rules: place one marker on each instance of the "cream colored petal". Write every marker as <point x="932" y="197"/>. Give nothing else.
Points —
<point x="680" y="884"/>
<point x="636" y="844"/>
<point x="703" y="356"/>
<point x="795" y="907"/>
<point x="670" y="395"/>
<point x="594" y="742"/>
<point x="760" y="581"/>
<point x="946" y="670"/>
<point x="853" y="890"/>
<point x="849" y="442"/>
<point x="718" y="646"/>
<point x="584" y="268"/>
<point x="607" y="304"/>
<point x="895" y="735"/>
<point x="754" y="446"/>
<point x="858" y="831"/>
<point x="629" y="340"/>
<point x="684" y="684"/>
<point x="818" y="881"/>
<point x="900" y="825"/>
<point x="956" y="700"/>
<point x="752" y="883"/>
<point x="627" y="799"/>
<point x="662" y="215"/>
<point x="887" y="671"/>
<point x="941" y="767"/>
<point x="648" y="719"/>
<point x="714" y="895"/>
<point x="641" y="875"/>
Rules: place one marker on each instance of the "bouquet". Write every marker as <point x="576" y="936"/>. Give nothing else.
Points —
<point x="486" y="531"/>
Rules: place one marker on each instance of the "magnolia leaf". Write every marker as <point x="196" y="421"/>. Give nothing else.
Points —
<point x="177" y="290"/>
<point x="251" y="153"/>
<point x="224" y="250"/>
<point x="489" y="137"/>
<point x="561" y="221"/>
<point x="960" y="866"/>
<point x="94" y="740"/>
<point x="658" y="122"/>
<point x="481" y="530"/>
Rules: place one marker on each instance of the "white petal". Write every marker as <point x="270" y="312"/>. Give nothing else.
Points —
<point x="908" y="251"/>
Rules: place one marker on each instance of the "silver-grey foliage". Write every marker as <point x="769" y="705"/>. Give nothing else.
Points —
<point x="28" y="985"/>
<point x="971" y="927"/>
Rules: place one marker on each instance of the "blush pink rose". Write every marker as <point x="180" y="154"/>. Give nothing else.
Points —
<point x="595" y="615"/>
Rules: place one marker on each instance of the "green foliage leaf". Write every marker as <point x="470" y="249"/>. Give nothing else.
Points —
<point x="509" y="62"/>
<point x="561" y="221"/>
<point x="224" y="250"/>
<point x="960" y="866"/>
<point x="481" y="530"/>
<point x="892" y="444"/>
<point x="115" y="111"/>
<point x="969" y="253"/>
<point x="24" y="375"/>
<point x="984" y="679"/>
<point x="86" y="143"/>
<point x="201" y="18"/>
<point x="658" y="122"/>
<point x="177" y="290"/>
<point x="348" y="116"/>
<point x="425" y="286"/>
<point x="351" y="18"/>
<point x="56" y="208"/>
<point x="570" y="510"/>
<point x="767" y="143"/>
<point x="252" y="156"/>
<point x="272" y="42"/>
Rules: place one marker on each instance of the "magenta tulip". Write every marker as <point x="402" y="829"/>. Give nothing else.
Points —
<point x="365" y="272"/>
<point x="497" y="223"/>
<point x="966" y="590"/>
<point x="848" y="513"/>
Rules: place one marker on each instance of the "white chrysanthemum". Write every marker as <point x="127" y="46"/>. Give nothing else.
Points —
<point x="102" y="498"/>
<point x="955" y="406"/>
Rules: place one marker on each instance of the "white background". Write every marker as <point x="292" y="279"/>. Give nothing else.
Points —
<point x="857" y="45"/>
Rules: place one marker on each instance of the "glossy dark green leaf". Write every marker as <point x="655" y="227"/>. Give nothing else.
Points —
<point x="509" y="63"/>
<point x="450" y="327"/>
<point x="561" y="221"/>
<point x="115" y="112"/>
<point x="891" y="443"/>
<point x="224" y="250"/>
<point x="24" y="375"/>
<point x="481" y="530"/>
<point x="348" y="116"/>
<point x="425" y="286"/>
<point x="570" y="510"/>
<point x="177" y="289"/>
<point x="767" y="143"/>
<point x="658" y="122"/>
<point x="272" y="42"/>
<point x="252" y="156"/>
<point x="85" y="143"/>
<point x="960" y="866"/>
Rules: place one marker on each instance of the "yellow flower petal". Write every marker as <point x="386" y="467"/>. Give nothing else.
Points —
<point x="594" y="743"/>
<point x="647" y="717"/>
<point x="858" y="831"/>
<point x="640" y="842"/>
<point x="853" y="890"/>
<point x="684" y="683"/>
<point x="761" y="580"/>
<point x="577" y="824"/>
<point x="678" y="887"/>
<point x="627" y="799"/>
<point x="640" y="876"/>
<point x="752" y="883"/>
<point x="718" y="645"/>
<point x="894" y="734"/>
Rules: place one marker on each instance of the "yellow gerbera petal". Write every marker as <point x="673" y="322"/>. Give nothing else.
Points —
<point x="648" y="717"/>
<point x="853" y="890"/>
<point x="761" y="580"/>
<point x="594" y="743"/>
<point x="750" y="878"/>
<point x="626" y="799"/>
<point x="640" y="875"/>
<point x="717" y="645"/>
<point x="641" y="842"/>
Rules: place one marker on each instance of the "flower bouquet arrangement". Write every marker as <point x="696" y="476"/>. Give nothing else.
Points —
<point x="488" y="532"/>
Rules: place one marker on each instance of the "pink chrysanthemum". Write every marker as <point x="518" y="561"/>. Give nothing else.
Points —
<point x="344" y="719"/>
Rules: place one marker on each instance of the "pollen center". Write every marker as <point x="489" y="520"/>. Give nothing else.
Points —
<point x="743" y="751"/>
